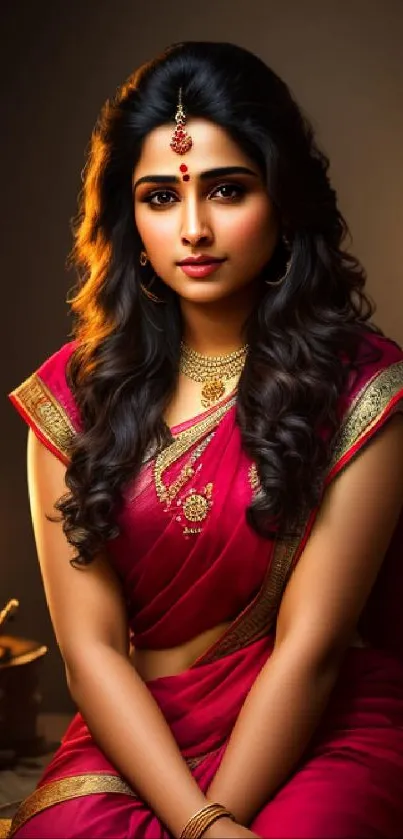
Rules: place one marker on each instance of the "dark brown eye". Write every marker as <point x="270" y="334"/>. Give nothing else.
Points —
<point x="230" y="191"/>
<point x="158" y="198"/>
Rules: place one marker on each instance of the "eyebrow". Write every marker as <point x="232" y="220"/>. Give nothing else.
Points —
<point x="203" y="176"/>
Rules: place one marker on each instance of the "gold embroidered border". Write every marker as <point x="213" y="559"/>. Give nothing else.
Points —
<point x="75" y="786"/>
<point x="367" y="408"/>
<point x="45" y="412"/>
<point x="64" y="790"/>
<point x="185" y="440"/>
<point x="193" y="762"/>
<point x="260" y="616"/>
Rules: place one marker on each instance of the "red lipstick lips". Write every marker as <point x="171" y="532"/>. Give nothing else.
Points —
<point x="200" y="266"/>
<point x="202" y="258"/>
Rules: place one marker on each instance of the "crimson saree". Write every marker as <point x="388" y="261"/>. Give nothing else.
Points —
<point x="188" y="561"/>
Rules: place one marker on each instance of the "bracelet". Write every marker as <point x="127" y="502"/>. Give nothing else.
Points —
<point x="203" y="819"/>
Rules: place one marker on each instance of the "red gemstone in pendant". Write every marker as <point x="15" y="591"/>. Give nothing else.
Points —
<point x="181" y="144"/>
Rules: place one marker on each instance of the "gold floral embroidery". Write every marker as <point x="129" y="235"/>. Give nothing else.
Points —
<point x="193" y="506"/>
<point x="186" y="439"/>
<point x="64" y="790"/>
<point x="45" y="412"/>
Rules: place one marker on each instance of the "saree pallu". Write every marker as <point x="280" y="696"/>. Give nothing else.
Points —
<point x="188" y="561"/>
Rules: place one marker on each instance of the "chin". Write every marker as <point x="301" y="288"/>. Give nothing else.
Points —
<point x="205" y="290"/>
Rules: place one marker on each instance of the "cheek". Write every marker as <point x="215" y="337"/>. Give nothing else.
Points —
<point x="255" y="229"/>
<point x="153" y="229"/>
<point x="157" y="235"/>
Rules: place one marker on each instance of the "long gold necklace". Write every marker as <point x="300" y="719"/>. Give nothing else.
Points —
<point x="212" y="371"/>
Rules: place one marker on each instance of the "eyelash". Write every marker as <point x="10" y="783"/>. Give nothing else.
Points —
<point x="148" y="198"/>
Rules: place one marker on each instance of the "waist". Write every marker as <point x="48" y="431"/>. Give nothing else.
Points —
<point x="153" y="664"/>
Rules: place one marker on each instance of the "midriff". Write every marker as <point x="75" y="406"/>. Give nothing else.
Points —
<point x="152" y="664"/>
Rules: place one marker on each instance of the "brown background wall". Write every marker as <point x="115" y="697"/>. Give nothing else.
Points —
<point x="342" y="59"/>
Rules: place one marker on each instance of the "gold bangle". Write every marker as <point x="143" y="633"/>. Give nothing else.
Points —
<point x="203" y="819"/>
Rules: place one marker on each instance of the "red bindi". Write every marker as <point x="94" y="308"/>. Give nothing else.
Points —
<point x="183" y="167"/>
<point x="186" y="178"/>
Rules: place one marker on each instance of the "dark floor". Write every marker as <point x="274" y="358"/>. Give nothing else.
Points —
<point x="19" y="781"/>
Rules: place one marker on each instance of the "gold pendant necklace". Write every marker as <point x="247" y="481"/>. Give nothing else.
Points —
<point x="212" y="371"/>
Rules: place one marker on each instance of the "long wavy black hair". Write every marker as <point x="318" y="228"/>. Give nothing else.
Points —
<point x="303" y="335"/>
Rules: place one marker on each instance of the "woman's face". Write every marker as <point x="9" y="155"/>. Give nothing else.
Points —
<point x="224" y="215"/>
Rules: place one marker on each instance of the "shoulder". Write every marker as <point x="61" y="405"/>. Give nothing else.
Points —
<point x="373" y="393"/>
<point x="46" y="402"/>
<point x="377" y="355"/>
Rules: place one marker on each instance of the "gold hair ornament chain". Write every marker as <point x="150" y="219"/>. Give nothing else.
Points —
<point x="212" y="371"/>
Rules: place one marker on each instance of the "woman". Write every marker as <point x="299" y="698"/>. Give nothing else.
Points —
<point x="223" y="445"/>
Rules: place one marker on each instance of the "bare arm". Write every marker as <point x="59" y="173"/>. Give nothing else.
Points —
<point x="89" y="619"/>
<point x="319" y="611"/>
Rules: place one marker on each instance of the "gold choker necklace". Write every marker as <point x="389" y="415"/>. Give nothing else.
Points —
<point x="213" y="371"/>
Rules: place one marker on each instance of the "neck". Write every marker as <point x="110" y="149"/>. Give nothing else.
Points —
<point x="216" y="328"/>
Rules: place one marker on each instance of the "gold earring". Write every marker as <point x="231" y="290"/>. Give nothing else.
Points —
<point x="143" y="258"/>
<point x="149" y="294"/>
<point x="281" y="279"/>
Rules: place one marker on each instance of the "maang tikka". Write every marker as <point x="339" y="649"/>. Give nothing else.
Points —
<point x="181" y="141"/>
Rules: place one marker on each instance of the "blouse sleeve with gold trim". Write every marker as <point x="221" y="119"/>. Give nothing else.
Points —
<point x="46" y="403"/>
<point x="371" y="407"/>
<point x="376" y="400"/>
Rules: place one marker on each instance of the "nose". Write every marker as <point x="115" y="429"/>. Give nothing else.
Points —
<point x="196" y="228"/>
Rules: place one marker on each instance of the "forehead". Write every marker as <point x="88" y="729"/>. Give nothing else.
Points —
<point x="212" y="147"/>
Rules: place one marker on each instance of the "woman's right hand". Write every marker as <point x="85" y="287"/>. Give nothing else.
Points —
<point x="227" y="829"/>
